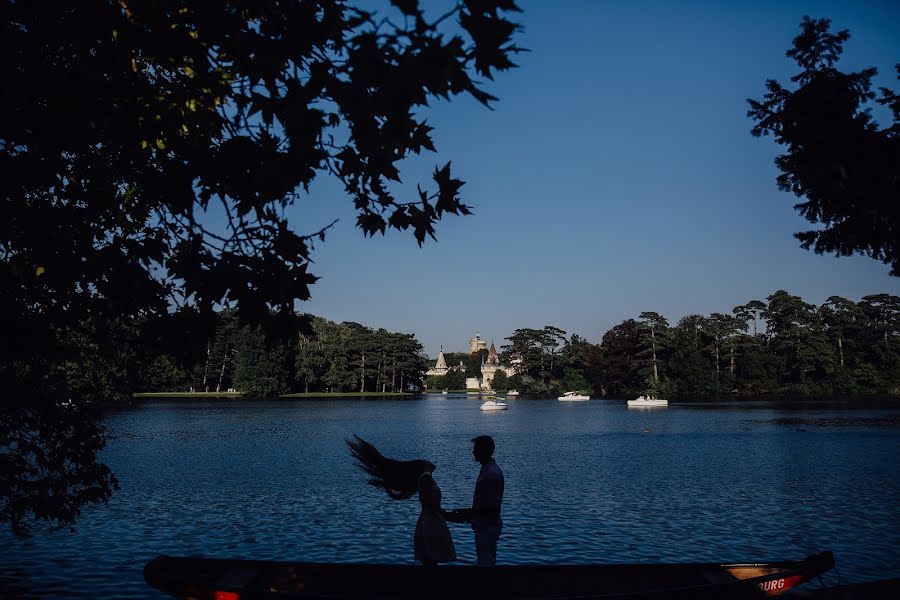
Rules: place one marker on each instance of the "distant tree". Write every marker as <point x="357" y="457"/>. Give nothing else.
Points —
<point x="574" y="353"/>
<point x="553" y="342"/>
<point x="842" y="166"/>
<point x="757" y="369"/>
<point x="260" y="365"/>
<point x="656" y="327"/>
<point x="539" y="349"/>
<point x="620" y="347"/>
<point x="526" y="343"/>
<point x="752" y="311"/>
<point x="455" y="380"/>
<point x="574" y="380"/>
<point x="594" y="370"/>
<point x="841" y="317"/>
<point x="883" y="312"/>
<point x="435" y="382"/>
<point x="723" y="331"/>
<point x="693" y="371"/>
<point x="162" y="374"/>
<point x="221" y="346"/>
<point x="501" y="381"/>
<point x="407" y="362"/>
<point x="474" y="362"/>
<point x="882" y="344"/>
<point x="321" y="362"/>
<point x="797" y="339"/>
<point x="335" y="356"/>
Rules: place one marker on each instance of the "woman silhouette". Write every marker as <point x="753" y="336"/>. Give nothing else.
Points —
<point x="400" y="479"/>
<point x="432" y="542"/>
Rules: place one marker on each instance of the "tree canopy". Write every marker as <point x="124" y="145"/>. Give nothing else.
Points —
<point x="837" y="160"/>
<point x="150" y="152"/>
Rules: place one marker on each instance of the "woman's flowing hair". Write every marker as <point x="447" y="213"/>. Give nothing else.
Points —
<point x="399" y="478"/>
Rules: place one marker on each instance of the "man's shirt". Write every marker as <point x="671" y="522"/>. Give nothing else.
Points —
<point x="488" y="496"/>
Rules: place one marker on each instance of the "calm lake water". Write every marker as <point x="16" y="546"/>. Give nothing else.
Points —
<point x="585" y="482"/>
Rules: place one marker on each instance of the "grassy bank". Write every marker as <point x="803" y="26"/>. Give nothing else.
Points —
<point x="187" y="394"/>
<point x="345" y="394"/>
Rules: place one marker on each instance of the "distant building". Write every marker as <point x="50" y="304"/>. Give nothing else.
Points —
<point x="441" y="368"/>
<point x="476" y="344"/>
<point x="489" y="367"/>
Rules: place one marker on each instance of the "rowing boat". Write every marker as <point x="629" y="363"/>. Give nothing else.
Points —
<point x="225" y="579"/>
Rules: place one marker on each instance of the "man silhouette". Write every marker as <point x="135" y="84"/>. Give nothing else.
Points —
<point x="486" y="502"/>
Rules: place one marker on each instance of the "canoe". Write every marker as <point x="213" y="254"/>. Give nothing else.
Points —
<point x="225" y="579"/>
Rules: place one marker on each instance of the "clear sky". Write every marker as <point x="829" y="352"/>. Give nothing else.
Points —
<point x="616" y="174"/>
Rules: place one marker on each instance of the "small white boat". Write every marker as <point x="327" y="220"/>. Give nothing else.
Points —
<point x="445" y="392"/>
<point x="572" y="396"/>
<point x="642" y="401"/>
<point x="494" y="405"/>
<point x="512" y="393"/>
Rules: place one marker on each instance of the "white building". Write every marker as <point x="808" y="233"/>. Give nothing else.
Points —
<point x="489" y="367"/>
<point x="440" y="368"/>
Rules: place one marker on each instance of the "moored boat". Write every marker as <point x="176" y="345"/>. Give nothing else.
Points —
<point x="493" y="403"/>
<point x="223" y="579"/>
<point x="648" y="401"/>
<point x="573" y="396"/>
<point x="512" y="393"/>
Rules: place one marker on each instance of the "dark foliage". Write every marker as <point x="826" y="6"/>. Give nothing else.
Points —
<point x="837" y="160"/>
<point x="149" y="152"/>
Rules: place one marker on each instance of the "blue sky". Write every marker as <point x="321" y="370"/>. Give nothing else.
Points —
<point x="616" y="174"/>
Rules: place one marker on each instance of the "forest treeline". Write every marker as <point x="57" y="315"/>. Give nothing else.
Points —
<point x="783" y="345"/>
<point x="324" y="357"/>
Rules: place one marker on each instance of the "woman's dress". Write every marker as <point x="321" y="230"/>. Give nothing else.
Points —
<point x="432" y="541"/>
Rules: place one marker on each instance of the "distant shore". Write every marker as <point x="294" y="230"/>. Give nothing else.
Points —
<point x="186" y="394"/>
<point x="241" y="394"/>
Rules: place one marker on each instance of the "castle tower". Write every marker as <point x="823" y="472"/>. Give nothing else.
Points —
<point x="476" y="343"/>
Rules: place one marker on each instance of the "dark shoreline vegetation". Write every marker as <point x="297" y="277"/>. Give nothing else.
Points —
<point x="243" y="396"/>
<point x="781" y="346"/>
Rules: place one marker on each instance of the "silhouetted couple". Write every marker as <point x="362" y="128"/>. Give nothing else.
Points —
<point x="432" y="541"/>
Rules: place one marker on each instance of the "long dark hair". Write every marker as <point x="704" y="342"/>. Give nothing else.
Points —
<point x="399" y="478"/>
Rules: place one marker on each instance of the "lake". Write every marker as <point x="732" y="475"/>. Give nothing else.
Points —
<point x="588" y="482"/>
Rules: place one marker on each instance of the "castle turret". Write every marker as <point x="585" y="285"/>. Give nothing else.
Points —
<point x="492" y="355"/>
<point x="440" y="367"/>
<point x="441" y="362"/>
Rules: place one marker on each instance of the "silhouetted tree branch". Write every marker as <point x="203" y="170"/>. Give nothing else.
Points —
<point x="150" y="151"/>
<point x="837" y="160"/>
